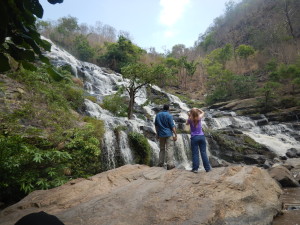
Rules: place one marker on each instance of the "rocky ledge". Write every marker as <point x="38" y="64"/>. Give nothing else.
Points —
<point x="138" y="194"/>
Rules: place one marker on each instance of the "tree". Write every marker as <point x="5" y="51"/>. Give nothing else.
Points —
<point x="121" y="53"/>
<point x="269" y="92"/>
<point x="244" y="51"/>
<point x="65" y="31"/>
<point x="178" y="50"/>
<point x="67" y="25"/>
<point x="84" y="50"/>
<point x="190" y="70"/>
<point x="19" y="38"/>
<point x="140" y="75"/>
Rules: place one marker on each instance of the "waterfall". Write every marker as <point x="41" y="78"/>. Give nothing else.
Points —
<point x="100" y="82"/>
<point x="276" y="137"/>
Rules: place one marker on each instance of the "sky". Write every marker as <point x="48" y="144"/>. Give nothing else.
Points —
<point x="151" y="23"/>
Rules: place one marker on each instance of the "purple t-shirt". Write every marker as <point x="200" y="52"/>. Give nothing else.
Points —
<point x="195" y="130"/>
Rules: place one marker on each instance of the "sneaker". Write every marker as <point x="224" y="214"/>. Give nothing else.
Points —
<point x="169" y="167"/>
<point x="195" y="171"/>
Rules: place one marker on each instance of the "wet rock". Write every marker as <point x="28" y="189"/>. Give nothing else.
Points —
<point x="254" y="159"/>
<point x="283" y="157"/>
<point x="268" y="164"/>
<point x="293" y="153"/>
<point x="294" y="166"/>
<point x="149" y="132"/>
<point x="137" y="194"/>
<point x="283" y="176"/>
<point x="285" y="115"/>
<point x="216" y="162"/>
<point x="179" y="119"/>
<point x="262" y="122"/>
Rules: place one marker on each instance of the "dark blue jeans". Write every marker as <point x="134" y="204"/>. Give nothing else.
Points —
<point x="199" y="141"/>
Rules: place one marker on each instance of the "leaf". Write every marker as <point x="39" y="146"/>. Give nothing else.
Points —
<point x="55" y="1"/>
<point x="44" y="59"/>
<point x="4" y="21"/>
<point x="34" y="7"/>
<point x="28" y="66"/>
<point x="45" y="44"/>
<point x="4" y="63"/>
<point x="54" y="74"/>
<point x="34" y="45"/>
<point x="20" y="54"/>
<point x="37" y="157"/>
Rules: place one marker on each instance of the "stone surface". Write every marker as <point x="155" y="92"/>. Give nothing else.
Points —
<point x="137" y="194"/>
<point x="283" y="176"/>
<point x="294" y="165"/>
<point x="290" y="214"/>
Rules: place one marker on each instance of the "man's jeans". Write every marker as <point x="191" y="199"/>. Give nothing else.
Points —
<point x="199" y="140"/>
<point x="166" y="151"/>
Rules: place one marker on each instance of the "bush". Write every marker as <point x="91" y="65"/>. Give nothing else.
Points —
<point x="41" y="143"/>
<point x="141" y="148"/>
<point x="116" y="104"/>
<point x="84" y="149"/>
<point x="25" y="168"/>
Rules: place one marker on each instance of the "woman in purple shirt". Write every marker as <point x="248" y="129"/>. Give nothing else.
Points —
<point x="197" y="139"/>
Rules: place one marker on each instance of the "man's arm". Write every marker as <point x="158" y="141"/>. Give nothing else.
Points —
<point x="174" y="132"/>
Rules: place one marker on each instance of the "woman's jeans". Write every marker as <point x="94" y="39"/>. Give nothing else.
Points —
<point x="199" y="140"/>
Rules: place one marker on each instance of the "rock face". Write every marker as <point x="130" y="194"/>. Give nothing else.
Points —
<point x="138" y="194"/>
<point x="283" y="176"/>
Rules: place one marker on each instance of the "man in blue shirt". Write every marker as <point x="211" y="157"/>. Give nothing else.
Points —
<point x="165" y="128"/>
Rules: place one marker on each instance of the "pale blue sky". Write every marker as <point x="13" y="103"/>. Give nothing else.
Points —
<point x="151" y="23"/>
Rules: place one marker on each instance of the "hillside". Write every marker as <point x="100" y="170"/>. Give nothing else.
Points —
<point x="253" y="43"/>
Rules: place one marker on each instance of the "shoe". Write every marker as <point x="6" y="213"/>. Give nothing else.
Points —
<point x="195" y="171"/>
<point x="208" y="170"/>
<point x="169" y="167"/>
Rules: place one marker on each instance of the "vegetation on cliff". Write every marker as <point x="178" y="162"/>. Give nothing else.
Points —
<point x="44" y="142"/>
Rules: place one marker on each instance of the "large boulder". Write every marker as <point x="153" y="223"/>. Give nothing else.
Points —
<point x="283" y="176"/>
<point x="138" y="194"/>
<point x="294" y="167"/>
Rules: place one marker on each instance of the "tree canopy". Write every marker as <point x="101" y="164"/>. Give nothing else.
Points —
<point x="19" y="38"/>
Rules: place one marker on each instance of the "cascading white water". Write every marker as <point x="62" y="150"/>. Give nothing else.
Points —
<point x="276" y="137"/>
<point x="99" y="83"/>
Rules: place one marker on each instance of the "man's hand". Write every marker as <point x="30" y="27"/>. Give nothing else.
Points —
<point x="175" y="138"/>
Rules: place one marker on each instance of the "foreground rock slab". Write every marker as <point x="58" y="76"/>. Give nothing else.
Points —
<point x="138" y="194"/>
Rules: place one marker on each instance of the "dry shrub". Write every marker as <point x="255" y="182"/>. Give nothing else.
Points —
<point x="77" y="81"/>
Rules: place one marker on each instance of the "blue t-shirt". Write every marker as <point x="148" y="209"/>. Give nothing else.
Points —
<point x="164" y="123"/>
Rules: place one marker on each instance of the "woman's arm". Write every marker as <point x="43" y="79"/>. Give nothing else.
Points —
<point x="187" y="121"/>
<point x="201" y="115"/>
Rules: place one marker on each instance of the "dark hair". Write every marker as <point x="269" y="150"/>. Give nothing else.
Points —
<point x="39" y="218"/>
<point x="166" y="107"/>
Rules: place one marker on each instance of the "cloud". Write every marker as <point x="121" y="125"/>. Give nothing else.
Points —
<point x="172" y="11"/>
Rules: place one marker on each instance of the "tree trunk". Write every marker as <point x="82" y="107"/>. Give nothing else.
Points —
<point x="131" y="103"/>
<point x="290" y="25"/>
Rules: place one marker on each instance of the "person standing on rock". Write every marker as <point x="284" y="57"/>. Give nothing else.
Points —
<point x="197" y="139"/>
<point x="165" y="128"/>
